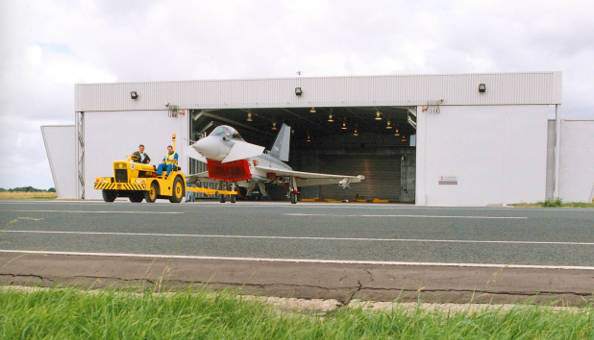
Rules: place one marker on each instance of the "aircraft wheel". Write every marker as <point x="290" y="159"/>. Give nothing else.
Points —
<point x="151" y="195"/>
<point x="179" y="190"/>
<point x="293" y="197"/>
<point x="109" y="195"/>
<point x="136" y="197"/>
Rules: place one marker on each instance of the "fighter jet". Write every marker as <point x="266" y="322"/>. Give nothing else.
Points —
<point x="230" y="159"/>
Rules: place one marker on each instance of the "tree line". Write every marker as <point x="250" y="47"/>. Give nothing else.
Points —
<point x="27" y="189"/>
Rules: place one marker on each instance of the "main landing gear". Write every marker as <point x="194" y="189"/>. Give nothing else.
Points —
<point x="223" y="197"/>
<point x="293" y="191"/>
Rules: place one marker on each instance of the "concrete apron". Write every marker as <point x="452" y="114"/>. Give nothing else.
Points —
<point x="342" y="282"/>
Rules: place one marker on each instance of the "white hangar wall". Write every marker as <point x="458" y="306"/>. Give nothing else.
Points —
<point x="492" y="145"/>
<point x="576" y="181"/>
<point x="59" y="142"/>
<point x="389" y="90"/>
<point x="113" y="136"/>
<point x="482" y="155"/>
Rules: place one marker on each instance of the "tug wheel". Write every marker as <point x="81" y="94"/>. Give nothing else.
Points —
<point x="136" y="197"/>
<point x="151" y="195"/>
<point x="109" y="195"/>
<point x="179" y="190"/>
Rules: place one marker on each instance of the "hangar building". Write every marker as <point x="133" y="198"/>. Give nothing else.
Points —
<point x="452" y="140"/>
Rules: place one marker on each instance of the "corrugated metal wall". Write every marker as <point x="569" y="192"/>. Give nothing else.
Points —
<point x="576" y="172"/>
<point x="396" y="90"/>
<point x="59" y="144"/>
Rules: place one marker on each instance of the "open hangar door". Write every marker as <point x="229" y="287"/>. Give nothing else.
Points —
<point x="377" y="142"/>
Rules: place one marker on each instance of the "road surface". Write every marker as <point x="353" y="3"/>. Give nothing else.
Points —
<point x="463" y="247"/>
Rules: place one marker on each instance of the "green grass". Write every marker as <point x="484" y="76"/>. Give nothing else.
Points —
<point x="19" y="195"/>
<point x="556" y="203"/>
<point x="70" y="314"/>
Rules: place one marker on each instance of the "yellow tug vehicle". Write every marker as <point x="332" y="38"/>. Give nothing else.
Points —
<point x="139" y="181"/>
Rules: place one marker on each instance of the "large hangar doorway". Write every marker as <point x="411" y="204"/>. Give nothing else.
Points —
<point x="377" y="142"/>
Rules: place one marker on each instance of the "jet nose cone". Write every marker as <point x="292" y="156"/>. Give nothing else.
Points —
<point x="210" y="148"/>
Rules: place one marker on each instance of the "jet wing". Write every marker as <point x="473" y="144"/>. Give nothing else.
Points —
<point x="196" y="155"/>
<point x="305" y="179"/>
<point x="243" y="150"/>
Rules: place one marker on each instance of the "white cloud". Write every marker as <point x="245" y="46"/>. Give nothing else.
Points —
<point x="47" y="46"/>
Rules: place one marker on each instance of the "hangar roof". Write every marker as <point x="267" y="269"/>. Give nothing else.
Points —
<point x="532" y="88"/>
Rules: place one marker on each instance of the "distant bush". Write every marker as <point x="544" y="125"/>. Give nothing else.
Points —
<point x="556" y="203"/>
<point x="25" y="189"/>
<point x="52" y="189"/>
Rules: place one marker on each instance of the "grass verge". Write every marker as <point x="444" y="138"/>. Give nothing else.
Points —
<point x="17" y="195"/>
<point x="69" y="314"/>
<point x="557" y="203"/>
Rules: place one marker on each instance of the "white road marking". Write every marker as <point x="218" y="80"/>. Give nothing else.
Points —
<point x="138" y="212"/>
<point x="412" y="216"/>
<point x="276" y="237"/>
<point x="264" y="259"/>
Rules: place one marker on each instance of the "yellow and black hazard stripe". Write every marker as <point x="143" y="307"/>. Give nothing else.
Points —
<point x="120" y="186"/>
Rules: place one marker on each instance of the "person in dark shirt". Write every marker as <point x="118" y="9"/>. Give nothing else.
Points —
<point x="140" y="156"/>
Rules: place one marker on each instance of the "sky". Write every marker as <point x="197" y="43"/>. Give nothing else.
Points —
<point x="48" y="46"/>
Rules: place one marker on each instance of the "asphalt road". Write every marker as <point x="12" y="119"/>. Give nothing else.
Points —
<point x="395" y="233"/>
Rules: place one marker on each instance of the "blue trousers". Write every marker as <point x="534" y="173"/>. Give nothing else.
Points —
<point x="166" y="167"/>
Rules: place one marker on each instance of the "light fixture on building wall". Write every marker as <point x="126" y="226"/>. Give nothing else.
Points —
<point x="343" y="125"/>
<point x="308" y="138"/>
<point x="482" y="88"/>
<point x="356" y="132"/>
<point x="396" y="132"/>
<point x="378" y="115"/>
<point x="249" y="117"/>
<point x="389" y="125"/>
<point x="403" y="140"/>
<point x="134" y="95"/>
<point x="298" y="91"/>
<point x="330" y="118"/>
<point x="273" y="126"/>
<point x="312" y="110"/>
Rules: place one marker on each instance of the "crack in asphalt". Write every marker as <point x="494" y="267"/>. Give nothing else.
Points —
<point x="344" y="301"/>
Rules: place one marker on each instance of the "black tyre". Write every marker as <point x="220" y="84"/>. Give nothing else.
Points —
<point x="109" y="195"/>
<point x="136" y="197"/>
<point x="153" y="193"/>
<point x="222" y="199"/>
<point x="178" y="191"/>
<point x="293" y="197"/>
<point x="233" y="198"/>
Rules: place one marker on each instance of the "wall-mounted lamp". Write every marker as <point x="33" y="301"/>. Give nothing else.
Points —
<point x="308" y="139"/>
<point x="388" y="125"/>
<point x="343" y="125"/>
<point x="133" y="95"/>
<point x="482" y="88"/>
<point x="355" y="132"/>
<point x="312" y="110"/>
<point x="249" y="117"/>
<point x="273" y="126"/>
<point x="330" y="118"/>
<point x="298" y="91"/>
